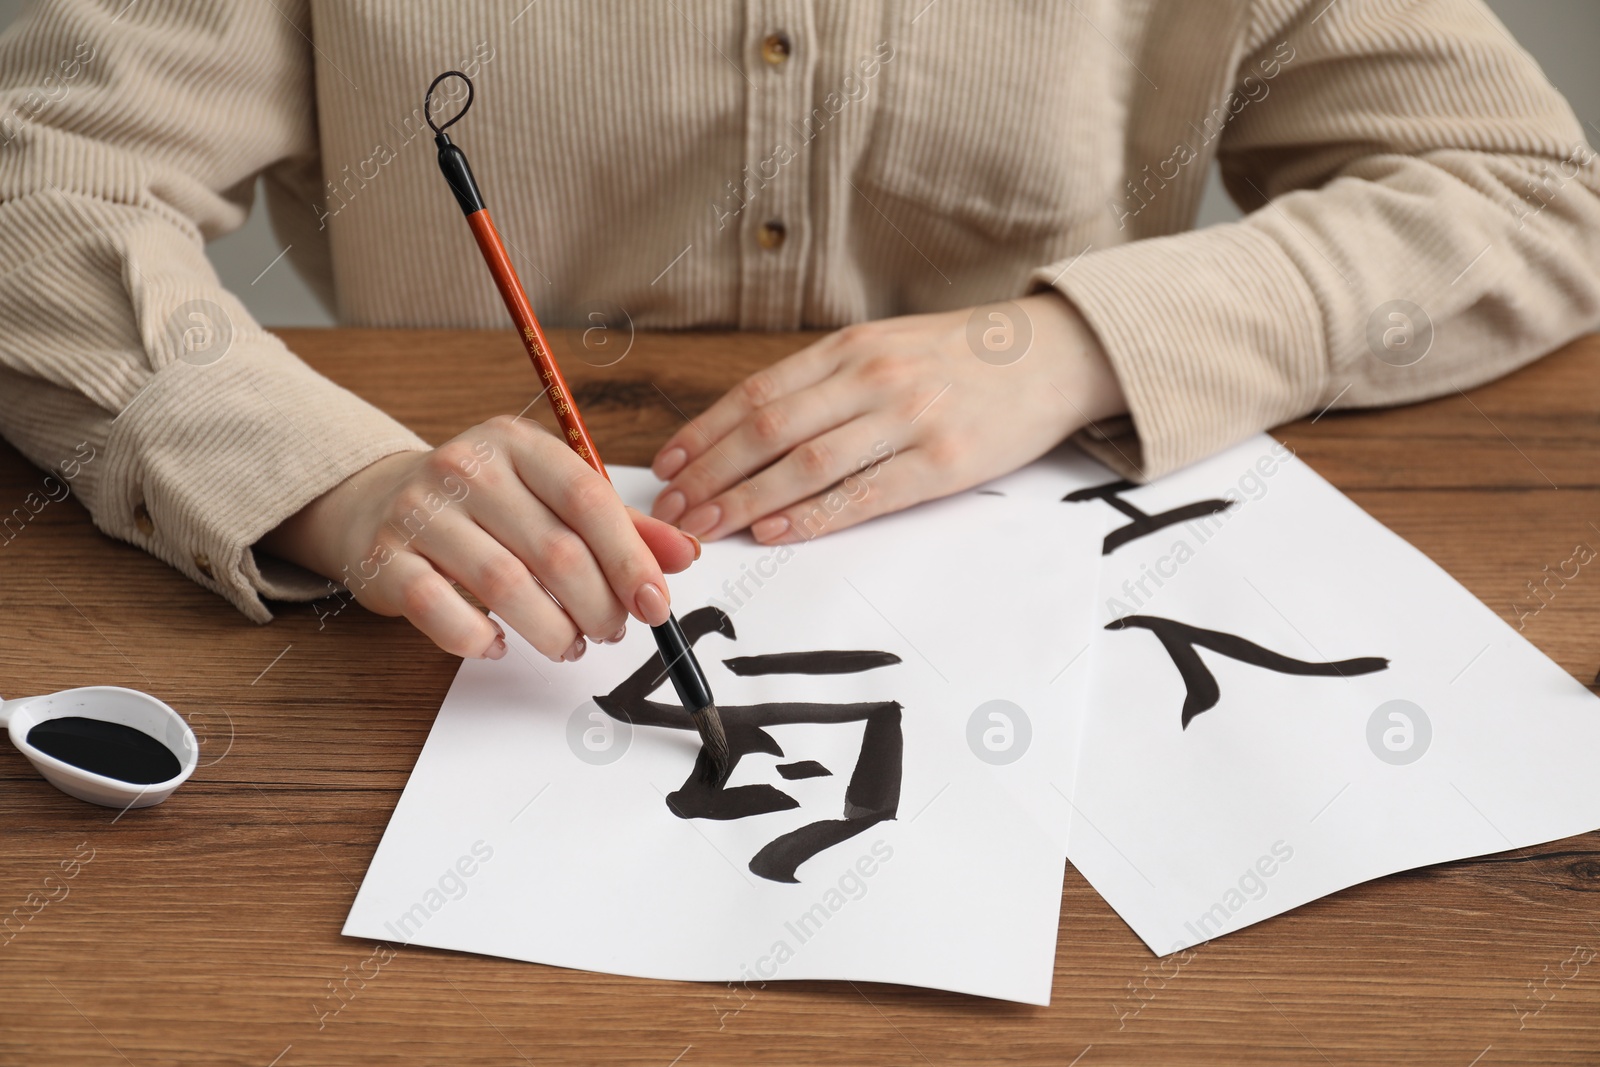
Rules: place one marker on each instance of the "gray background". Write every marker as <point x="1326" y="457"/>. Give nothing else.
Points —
<point x="1563" y="35"/>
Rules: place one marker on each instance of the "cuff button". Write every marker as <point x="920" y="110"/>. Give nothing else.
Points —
<point x="141" y="519"/>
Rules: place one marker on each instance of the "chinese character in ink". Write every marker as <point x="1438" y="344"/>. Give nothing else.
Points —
<point x="1143" y="524"/>
<point x="873" y="792"/>
<point x="1200" y="685"/>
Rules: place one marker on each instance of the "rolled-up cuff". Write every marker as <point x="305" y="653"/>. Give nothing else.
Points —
<point x="208" y="458"/>
<point x="1214" y="335"/>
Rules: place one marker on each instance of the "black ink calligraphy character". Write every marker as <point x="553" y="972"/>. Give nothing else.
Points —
<point x="806" y="768"/>
<point x="1202" y="693"/>
<point x="810" y="663"/>
<point x="1142" y="524"/>
<point x="873" y="792"/>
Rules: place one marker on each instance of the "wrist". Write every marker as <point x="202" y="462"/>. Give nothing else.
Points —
<point x="315" y="536"/>
<point x="1074" y="361"/>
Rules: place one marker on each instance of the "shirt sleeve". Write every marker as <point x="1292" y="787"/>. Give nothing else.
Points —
<point x="1424" y="217"/>
<point x="130" y="134"/>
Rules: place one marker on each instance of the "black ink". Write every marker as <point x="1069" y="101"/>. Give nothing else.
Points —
<point x="990" y="492"/>
<point x="107" y="748"/>
<point x="1143" y="524"/>
<point x="828" y="662"/>
<point x="872" y="794"/>
<point x="1202" y="693"/>
<point x="809" y="768"/>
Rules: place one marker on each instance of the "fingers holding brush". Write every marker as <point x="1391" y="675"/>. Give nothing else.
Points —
<point x="586" y="504"/>
<point x="463" y="551"/>
<point x="510" y="515"/>
<point x="430" y="603"/>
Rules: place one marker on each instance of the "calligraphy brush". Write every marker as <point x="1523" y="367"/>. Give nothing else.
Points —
<point x="676" y="654"/>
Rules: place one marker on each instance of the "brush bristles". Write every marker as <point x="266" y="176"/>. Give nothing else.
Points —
<point x="714" y="742"/>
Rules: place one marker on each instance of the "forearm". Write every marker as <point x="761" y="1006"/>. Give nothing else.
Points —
<point x="126" y="143"/>
<point x="1444" y="181"/>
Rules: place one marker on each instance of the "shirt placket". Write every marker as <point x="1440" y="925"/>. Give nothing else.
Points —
<point x="780" y="52"/>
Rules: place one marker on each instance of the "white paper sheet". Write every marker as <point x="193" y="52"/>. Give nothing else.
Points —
<point x="1470" y="741"/>
<point x="536" y="826"/>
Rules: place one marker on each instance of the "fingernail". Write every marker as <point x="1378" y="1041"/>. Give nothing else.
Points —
<point x="651" y="604"/>
<point x="698" y="548"/>
<point x="701" y="520"/>
<point x="770" y="528"/>
<point x="622" y="631"/>
<point x="497" y="647"/>
<point x="669" y="506"/>
<point x="575" y="651"/>
<point x="669" y="463"/>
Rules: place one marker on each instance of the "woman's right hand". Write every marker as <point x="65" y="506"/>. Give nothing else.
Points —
<point x="506" y="511"/>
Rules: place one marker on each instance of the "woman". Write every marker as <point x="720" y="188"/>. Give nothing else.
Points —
<point x="989" y="200"/>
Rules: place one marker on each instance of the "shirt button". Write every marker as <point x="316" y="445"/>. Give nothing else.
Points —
<point x="141" y="519"/>
<point x="202" y="563"/>
<point x="771" y="234"/>
<point x="776" y="48"/>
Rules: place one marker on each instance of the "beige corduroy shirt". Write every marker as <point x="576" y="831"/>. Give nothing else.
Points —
<point x="1397" y="159"/>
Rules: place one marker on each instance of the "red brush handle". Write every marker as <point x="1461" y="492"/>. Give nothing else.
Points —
<point x="533" y="339"/>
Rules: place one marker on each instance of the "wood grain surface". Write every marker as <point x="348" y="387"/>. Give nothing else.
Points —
<point x="206" y="931"/>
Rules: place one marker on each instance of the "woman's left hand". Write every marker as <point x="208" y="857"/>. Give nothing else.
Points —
<point x="883" y="415"/>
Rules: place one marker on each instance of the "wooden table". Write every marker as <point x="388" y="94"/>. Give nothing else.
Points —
<point x="206" y="931"/>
